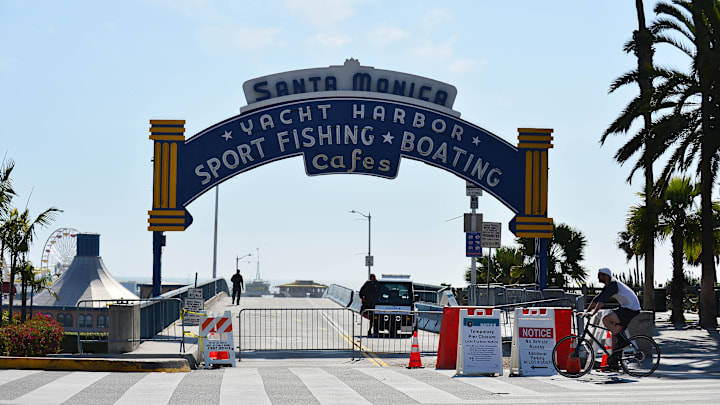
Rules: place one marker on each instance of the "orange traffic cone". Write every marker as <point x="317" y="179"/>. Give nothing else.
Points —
<point x="573" y="363"/>
<point x="415" y="361"/>
<point x="608" y="346"/>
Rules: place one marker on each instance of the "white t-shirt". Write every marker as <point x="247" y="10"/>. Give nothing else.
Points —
<point x="622" y="293"/>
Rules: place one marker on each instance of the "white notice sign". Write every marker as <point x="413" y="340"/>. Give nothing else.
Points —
<point x="193" y="303"/>
<point x="480" y="344"/>
<point x="491" y="235"/>
<point x="536" y="340"/>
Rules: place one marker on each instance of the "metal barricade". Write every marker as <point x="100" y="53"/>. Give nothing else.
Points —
<point x="393" y="330"/>
<point x="293" y="329"/>
<point x="128" y="322"/>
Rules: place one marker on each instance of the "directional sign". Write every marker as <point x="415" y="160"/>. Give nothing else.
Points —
<point x="473" y="245"/>
<point x="491" y="234"/>
<point x="471" y="190"/>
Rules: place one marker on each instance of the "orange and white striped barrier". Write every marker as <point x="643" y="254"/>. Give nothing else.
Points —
<point x="218" y="343"/>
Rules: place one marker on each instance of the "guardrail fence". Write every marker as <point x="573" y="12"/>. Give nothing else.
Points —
<point x="130" y="322"/>
<point x="285" y="329"/>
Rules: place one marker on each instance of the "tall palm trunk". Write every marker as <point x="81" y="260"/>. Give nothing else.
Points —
<point x="643" y="39"/>
<point x="12" y="286"/>
<point x="23" y="295"/>
<point x="678" y="281"/>
<point x="707" y="65"/>
<point x="2" y="261"/>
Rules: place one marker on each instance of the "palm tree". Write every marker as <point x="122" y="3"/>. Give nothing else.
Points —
<point x="6" y="195"/>
<point x="504" y="259"/>
<point x="29" y="232"/>
<point x="628" y="243"/>
<point x="679" y="220"/>
<point x="698" y="22"/>
<point x="644" y="143"/>
<point x="566" y="250"/>
<point x="20" y="235"/>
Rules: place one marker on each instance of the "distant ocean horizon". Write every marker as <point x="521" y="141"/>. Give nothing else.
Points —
<point x="273" y="282"/>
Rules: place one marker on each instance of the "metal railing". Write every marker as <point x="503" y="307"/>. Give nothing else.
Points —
<point x="291" y="329"/>
<point x="507" y="311"/>
<point x="393" y="330"/>
<point x="144" y="317"/>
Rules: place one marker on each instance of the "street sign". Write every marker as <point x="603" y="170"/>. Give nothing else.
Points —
<point x="468" y="222"/>
<point x="491" y="234"/>
<point x="474" y="203"/>
<point x="369" y="261"/>
<point x="472" y="190"/>
<point x="473" y="245"/>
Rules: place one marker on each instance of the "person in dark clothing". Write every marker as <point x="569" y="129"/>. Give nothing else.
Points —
<point x="368" y="294"/>
<point x="238" y="286"/>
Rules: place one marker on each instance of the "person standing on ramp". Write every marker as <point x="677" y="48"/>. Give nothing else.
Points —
<point x="238" y="286"/>
<point x="368" y="294"/>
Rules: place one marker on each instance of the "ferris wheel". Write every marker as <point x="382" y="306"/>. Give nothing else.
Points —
<point x="58" y="252"/>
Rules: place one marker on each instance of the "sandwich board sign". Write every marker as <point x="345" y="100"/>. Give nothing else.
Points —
<point x="479" y="343"/>
<point x="535" y="334"/>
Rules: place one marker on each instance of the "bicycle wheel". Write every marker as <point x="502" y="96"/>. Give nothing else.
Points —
<point x="641" y="358"/>
<point x="573" y="357"/>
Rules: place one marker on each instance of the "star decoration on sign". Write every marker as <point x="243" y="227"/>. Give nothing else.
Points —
<point x="476" y="141"/>
<point x="227" y="135"/>
<point x="387" y="138"/>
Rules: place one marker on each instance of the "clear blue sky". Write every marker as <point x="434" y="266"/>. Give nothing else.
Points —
<point x="80" y="80"/>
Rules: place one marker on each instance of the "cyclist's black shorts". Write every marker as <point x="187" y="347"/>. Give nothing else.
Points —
<point x="625" y="315"/>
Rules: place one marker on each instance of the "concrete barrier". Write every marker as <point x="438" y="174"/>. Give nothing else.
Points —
<point x="643" y="324"/>
<point x="123" y="328"/>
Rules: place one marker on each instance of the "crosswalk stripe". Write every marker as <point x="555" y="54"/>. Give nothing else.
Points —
<point x="570" y="384"/>
<point x="327" y="388"/>
<point x="417" y="390"/>
<point x="62" y="389"/>
<point x="155" y="388"/>
<point x="12" y="375"/>
<point x="493" y="384"/>
<point x="243" y="384"/>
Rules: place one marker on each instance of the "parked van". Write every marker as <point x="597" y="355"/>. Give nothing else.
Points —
<point x="394" y="305"/>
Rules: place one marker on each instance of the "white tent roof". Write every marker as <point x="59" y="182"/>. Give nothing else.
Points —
<point x="87" y="278"/>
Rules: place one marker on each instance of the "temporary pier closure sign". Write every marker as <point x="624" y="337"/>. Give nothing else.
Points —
<point x="348" y="119"/>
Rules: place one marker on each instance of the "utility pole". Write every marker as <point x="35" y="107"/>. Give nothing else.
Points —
<point x="217" y="196"/>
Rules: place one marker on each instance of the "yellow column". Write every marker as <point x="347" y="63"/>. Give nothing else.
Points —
<point x="168" y="136"/>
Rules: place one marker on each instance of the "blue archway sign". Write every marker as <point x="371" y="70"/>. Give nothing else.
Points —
<point x="347" y="132"/>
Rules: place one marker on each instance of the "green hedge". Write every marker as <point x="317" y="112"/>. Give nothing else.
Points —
<point x="38" y="336"/>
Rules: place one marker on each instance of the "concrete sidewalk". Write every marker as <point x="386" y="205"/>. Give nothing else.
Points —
<point x="687" y="348"/>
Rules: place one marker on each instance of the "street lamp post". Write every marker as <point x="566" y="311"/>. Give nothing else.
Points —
<point x="237" y="260"/>
<point x="369" y="256"/>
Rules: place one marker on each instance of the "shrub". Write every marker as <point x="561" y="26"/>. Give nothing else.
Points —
<point x="39" y="336"/>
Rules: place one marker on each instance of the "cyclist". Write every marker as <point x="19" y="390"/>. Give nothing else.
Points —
<point x="620" y="318"/>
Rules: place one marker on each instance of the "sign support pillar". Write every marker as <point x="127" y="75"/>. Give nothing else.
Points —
<point x="158" y="243"/>
<point x="543" y="266"/>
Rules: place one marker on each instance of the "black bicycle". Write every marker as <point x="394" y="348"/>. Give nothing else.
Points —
<point x="573" y="356"/>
